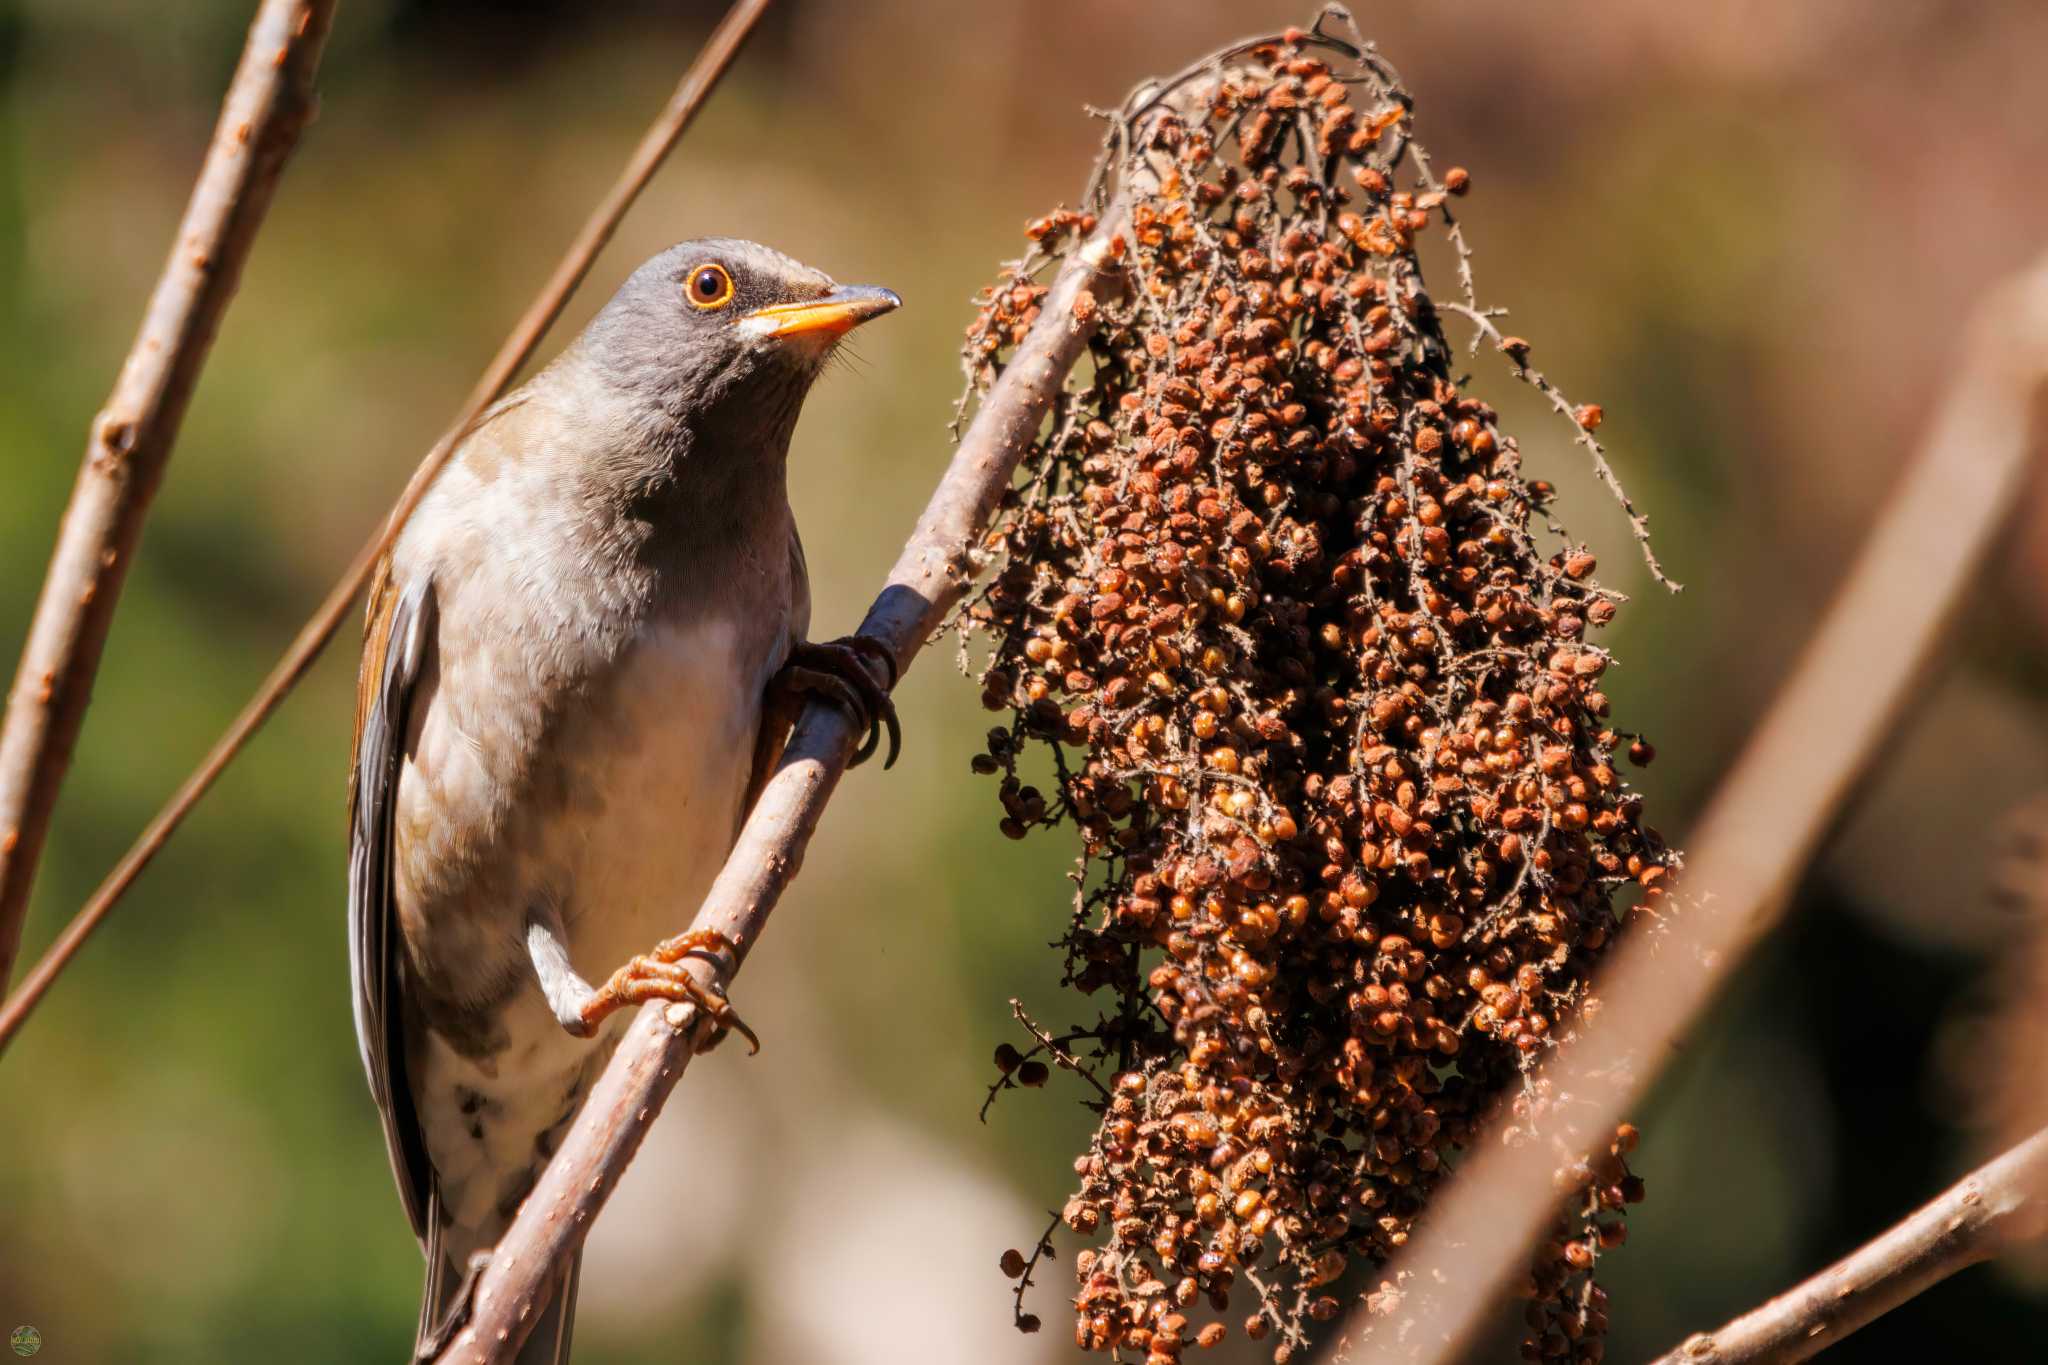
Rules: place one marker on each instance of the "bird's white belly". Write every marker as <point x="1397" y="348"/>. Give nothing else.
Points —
<point x="668" y="761"/>
<point x="656" y="773"/>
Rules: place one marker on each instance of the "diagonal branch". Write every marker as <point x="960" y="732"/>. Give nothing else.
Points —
<point x="268" y="104"/>
<point x="697" y="83"/>
<point x="928" y="579"/>
<point x="1843" y="700"/>
<point x="1998" y="1205"/>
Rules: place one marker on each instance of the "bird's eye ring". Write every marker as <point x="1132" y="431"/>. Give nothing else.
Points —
<point x="709" y="287"/>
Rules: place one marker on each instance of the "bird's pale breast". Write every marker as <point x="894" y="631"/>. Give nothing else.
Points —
<point x="652" y="771"/>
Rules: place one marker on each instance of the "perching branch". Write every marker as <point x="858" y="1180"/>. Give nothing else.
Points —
<point x="928" y="579"/>
<point x="1842" y="702"/>
<point x="268" y="105"/>
<point x="1999" y="1205"/>
<point x="697" y="84"/>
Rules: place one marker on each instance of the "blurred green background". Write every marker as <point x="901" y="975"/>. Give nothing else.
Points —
<point x="1750" y="230"/>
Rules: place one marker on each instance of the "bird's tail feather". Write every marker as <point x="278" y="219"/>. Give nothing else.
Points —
<point x="443" y="1279"/>
<point x="448" y="1280"/>
<point x="549" y="1342"/>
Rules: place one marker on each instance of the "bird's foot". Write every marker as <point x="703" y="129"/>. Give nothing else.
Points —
<point x="661" y="975"/>
<point x="837" y="670"/>
<point x="435" y="1340"/>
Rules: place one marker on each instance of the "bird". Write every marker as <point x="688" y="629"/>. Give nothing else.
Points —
<point x="581" y="657"/>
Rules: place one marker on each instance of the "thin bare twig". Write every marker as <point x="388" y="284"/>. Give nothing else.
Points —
<point x="1996" y="1206"/>
<point x="1043" y="1250"/>
<point x="1517" y="352"/>
<point x="268" y="105"/>
<point x="1055" y="1047"/>
<point x="928" y="579"/>
<point x="1917" y="566"/>
<point x="697" y="84"/>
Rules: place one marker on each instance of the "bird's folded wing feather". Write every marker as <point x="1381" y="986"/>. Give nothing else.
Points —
<point x="397" y="635"/>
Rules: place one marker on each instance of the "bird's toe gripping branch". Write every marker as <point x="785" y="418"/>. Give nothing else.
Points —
<point x="836" y="670"/>
<point x="661" y="975"/>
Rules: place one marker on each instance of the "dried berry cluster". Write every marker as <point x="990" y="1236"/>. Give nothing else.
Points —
<point x="1324" y="713"/>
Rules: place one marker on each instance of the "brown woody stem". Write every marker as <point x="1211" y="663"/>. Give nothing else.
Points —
<point x="1998" y="1205"/>
<point x="268" y="105"/>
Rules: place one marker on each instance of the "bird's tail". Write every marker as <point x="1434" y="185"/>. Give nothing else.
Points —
<point x="449" y="1283"/>
<point x="549" y="1342"/>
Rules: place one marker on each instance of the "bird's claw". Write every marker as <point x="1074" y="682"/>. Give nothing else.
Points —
<point x="834" y="670"/>
<point x="661" y="975"/>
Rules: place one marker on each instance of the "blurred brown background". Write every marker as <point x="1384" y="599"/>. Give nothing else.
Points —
<point x="1751" y="230"/>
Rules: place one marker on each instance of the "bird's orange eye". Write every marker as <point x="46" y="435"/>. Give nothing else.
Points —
<point x="709" y="287"/>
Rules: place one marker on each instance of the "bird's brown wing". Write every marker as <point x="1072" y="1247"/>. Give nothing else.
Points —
<point x="397" y="635"/>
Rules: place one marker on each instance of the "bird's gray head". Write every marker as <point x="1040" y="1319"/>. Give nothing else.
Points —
<point x="722" y="337"/>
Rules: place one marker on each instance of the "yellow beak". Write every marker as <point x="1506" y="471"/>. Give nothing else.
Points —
<point x="840" y="311"/>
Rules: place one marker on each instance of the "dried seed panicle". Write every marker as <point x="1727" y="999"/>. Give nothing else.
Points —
<point x="1329" y="722"/>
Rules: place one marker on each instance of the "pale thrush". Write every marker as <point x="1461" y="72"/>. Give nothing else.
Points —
<point x="568" y="695"/>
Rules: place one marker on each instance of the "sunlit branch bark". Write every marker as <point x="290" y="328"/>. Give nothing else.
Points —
<point x="268" y="105"/>
<point x="1996" y="1206"/>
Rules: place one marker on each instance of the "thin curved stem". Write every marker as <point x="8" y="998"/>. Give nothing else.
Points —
<point x="268" y="104"/>
<point x="2000" y="1204"/>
